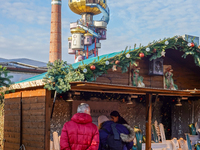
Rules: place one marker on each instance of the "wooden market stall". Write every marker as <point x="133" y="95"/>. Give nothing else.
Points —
<point x="145" y="83"/>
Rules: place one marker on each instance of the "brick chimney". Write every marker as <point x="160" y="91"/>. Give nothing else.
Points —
<point x="55" y="52"/>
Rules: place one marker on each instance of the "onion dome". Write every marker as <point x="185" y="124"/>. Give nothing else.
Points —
<point x="77" y="30"/>
<point x="79" y="6"/>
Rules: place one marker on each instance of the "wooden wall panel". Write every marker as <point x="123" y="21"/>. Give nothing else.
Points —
<point x="33" y="110"/>
<point x="12" y="121"/>
<point x="183" y="76"/>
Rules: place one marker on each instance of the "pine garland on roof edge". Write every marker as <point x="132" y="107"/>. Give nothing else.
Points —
<point x="60" y="74"/>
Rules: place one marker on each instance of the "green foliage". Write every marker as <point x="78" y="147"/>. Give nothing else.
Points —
<point x="4" y="81"/>
<point x="59" y="75"/>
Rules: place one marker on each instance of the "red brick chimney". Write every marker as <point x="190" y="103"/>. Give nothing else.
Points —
<point x="55" y="52"/>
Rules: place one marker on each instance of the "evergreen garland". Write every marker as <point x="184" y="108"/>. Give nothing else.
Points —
<point x="60" y="73"/>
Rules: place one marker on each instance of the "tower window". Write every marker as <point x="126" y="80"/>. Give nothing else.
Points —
<point x="70" y="1"/>
<point x="88" y="39"/>
<point x="70" y="45"/>
<point x="74" y="42"/>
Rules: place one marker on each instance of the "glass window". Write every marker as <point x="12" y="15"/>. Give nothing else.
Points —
<point x="70" y="1"/>
<point x="74" y="42"/>
<point x="88" y="39"/>
<point x="70" y="45"/>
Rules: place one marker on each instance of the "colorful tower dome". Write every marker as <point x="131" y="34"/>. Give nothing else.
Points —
<point x="86" y="33"/>
<point x="79" y="6"/>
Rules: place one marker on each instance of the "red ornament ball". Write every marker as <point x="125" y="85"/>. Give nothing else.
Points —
<point x="92" y="67"/>
<point x="192" y="44"/>
<point x="154" y="50"/>
<point x="141" y="55"/>
<point x="117" y="62"/>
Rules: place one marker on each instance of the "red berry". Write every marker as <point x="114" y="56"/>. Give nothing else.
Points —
<point x="192" y="44"/>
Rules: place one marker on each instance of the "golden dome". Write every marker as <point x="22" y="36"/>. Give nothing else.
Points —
<point x="69" y="38"/>
<point x="77" y="30"/>
<point x="79" y="6"/>
<point x="88" y="34"/>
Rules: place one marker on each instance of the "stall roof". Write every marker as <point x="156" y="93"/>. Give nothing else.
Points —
<point x="75" y="65"/>
<point x="125" y="89"/>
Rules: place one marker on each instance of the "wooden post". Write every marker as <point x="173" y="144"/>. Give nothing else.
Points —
<point x="148" y="120"/>
<point x="47" y="118"/>
<point x="129" y="75"/>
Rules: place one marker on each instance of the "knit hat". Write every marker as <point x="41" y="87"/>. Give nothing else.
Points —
<point x="102" y="119"/>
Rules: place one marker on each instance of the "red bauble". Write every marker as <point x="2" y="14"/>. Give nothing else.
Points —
<point x="154" y="50"/>
<point x="192" y="44"/>
<point x="92" y="67"/>
<point x="141" y="55"/>
<point x="117" y="62"/>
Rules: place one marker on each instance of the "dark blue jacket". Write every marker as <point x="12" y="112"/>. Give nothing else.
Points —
<point x="103" y="134"/>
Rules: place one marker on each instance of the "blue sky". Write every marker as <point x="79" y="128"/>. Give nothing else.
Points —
<point x="25" y="25"/>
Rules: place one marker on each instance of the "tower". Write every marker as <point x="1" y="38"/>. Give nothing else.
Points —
<point x="55" y="52"/>
<point x="86" y="32"/>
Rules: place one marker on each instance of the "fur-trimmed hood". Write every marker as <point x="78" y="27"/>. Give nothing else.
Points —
<point x="128" y="137"/>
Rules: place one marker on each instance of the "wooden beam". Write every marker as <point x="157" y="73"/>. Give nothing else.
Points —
<point x="47" y="119"/>
<point x="148" y="120"/>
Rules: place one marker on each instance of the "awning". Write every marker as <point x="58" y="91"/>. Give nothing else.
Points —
<point x="125" y="89"/>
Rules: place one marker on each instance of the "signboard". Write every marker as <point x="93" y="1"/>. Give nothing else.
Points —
<point x="97" y="108"/>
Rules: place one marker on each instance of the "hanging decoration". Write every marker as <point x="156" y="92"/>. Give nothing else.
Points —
<point x="114" y="68"/>
<point x="92" y="67"/>
<point x="189" y="44"/>
<point x="163" y="53"/>
<point x="107" y="62"/>
<point x="154" y="50"/>
<point x="85" y="70"/>
<point x="128" y="55"/>
<point x="117" y="62"/>
<point x="199" y="47"/>
<point x="141" y="55"/>
<point x="147" y="49"/>
<point x="166" y="43"/>
<point x="192" y="44"/>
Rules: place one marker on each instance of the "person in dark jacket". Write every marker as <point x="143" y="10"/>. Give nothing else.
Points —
<point x="115" y="116"/>
<point x="80" y="133"/>
<point x="127" y="135"/>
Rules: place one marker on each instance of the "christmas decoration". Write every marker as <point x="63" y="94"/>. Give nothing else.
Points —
<point x="199" y="47"/>
<point x="85" y="70"/>
<point x="166" y="43"/>
<point x="128" y="55"/>
<point x="92" y="67"/>
<point x="114" y="68"/>
<point x="157" y="50"/>
<point x="141" y="55"/>
<point x="107" y="62"/>
<point x="59" y="76"/>
<point x="117" y="62"/>
<point x="168" y="80"/>
<point x="192" y="44"/>
<point x="147" y="49"/>
<point x="163" y="53"/>
<point x="136" y="79"/>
